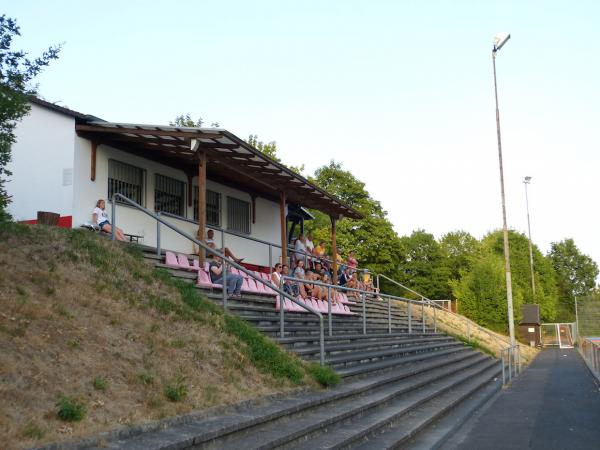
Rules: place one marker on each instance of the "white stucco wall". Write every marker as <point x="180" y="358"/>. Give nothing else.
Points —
<point x="42" y="165"/>
<point x="132" y="221"/>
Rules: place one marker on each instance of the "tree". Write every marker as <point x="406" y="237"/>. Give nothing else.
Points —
<point x="479" y="298"/>
<point x="422" y="265"/>
<point x="16" y="75"/>
<point x="459" y="248"/>
<point x="373" y="238"/>
<point x="270" y="150"/>
<point x="576" y="275"/>
<point x="185" y="120"/>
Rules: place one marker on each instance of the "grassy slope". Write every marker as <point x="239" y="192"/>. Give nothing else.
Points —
<point x="85" y="318"/>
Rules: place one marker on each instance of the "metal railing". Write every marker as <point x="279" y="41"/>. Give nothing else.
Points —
<point x="363" y="295"/>
<point x="510" y="359"/>
<point x="468" y="323"/>
<point x="225" y="261"/>
<point x="590" y="351"/>
<point x="423" y="302"/>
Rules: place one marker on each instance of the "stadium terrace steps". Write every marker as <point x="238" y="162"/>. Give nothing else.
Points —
<point x="399" y="390"/>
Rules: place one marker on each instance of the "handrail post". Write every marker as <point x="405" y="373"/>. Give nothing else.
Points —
<point x="270" y="260"/>
<point x="329" y="311"/>
<point x="434" y="319"/>
<point x="509" y="364"/>
<point x="158" y="238"/>
<point x="281" y="312"/>
<point x="389" y="315"/>
<point x="364" y="311"/>
<point x="423" y="315"/>
<point x="502" y="362"/>
<point x="224" y="284"/>
<point x="321" y="341"/>
<point x="409" y="309"/>
<point x="378" y="290"/>
<point x="114" y="218"/>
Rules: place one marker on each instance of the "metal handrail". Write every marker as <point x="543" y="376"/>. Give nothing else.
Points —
<point x="425" y="301"/>
<point x="469" y="323"/>
<point x="513" y="357"/>
<point x="363" y="295"/>
<point x="226" y="261"/>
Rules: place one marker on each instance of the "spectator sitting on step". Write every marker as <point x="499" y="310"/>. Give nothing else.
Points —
<point x="353" y="284"/>
<point x="210" y="239"/>
<point x="276" y="275"/>
<point x="100" y="218"/>
<point x="299" y="269"/>
<point x="344" y="276"/>
<point x="234" y="281"/>
<point x="352" y="262"/>
<point x="288" y="287"/>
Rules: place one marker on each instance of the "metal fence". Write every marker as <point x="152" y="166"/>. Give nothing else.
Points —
<point x="590" y="350"/>
<point x="587" y="311"/>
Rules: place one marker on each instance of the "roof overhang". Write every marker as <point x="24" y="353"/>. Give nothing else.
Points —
<point x="230" y="160"/>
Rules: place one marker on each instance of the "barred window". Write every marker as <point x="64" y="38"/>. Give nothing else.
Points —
<point x="238" y="215"/>
<point x="213" y="207"/>
<point x="169" y="195"/>
<point x="126" y="180"/>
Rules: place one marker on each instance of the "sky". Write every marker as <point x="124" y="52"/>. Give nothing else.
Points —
<point x="400" y="92"/>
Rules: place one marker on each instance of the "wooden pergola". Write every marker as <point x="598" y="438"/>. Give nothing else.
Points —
<point x="223" y="157"/>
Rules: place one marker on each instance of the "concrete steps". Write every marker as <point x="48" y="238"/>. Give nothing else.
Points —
<point x="399" y="390"/>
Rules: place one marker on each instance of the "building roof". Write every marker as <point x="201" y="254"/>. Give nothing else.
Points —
<point x="230" y="160"/>
<point x="62" y="110"/>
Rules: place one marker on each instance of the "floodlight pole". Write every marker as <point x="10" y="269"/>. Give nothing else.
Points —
<point x="526" y="183"/>
<point x="509" y="297"/>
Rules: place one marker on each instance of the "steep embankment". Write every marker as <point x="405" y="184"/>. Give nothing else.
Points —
<point x="92" y="339"/>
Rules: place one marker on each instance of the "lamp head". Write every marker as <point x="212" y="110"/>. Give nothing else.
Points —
<point x="194" y="145"/>
<point x="500" y="39"/>
<point x="527" y="180"/>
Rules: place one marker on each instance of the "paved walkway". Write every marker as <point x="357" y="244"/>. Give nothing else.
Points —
<point x="554" y="404"/>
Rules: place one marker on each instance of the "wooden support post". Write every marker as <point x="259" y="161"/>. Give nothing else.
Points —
<point x="201" y="203"/>
<point x="93" y="161"/>
<point x="334" y="268"/>
<point x="253" y="209"/>
<point x="283" y="220"/>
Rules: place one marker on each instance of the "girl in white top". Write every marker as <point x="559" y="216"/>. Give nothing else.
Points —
<point x="276" y="276"/>
<point x="100" y="218"/>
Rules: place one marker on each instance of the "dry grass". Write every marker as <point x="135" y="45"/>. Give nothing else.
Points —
<point x="67" y="319"/>
<point x="487" y="340"/>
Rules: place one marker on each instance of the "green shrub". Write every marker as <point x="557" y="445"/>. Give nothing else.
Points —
<point x="69" y="409"/>
<point x="99" y="383"/>
<point x="146" y="379"/>
<point x="324" y="375"/>
<point x="33" y="431"/>
<point x="177" y="390"/>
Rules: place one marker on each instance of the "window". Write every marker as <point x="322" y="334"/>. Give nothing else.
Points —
<point x="238" y="215"/>
<point x="126" y="180"/>
<point x="169" y="195"/>
<point x="213" y="207"/>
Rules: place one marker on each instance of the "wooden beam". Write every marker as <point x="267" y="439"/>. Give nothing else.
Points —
<point x="283" y="220"/>
<point x="253" y="197"/>
<point x="334" y="268"/>
<point x="93" y="161"/>
<point x="201" y="203"/>
<point x="122" y="130"/>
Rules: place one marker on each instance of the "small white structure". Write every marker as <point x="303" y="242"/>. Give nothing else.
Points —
<point x="65" y="161"/>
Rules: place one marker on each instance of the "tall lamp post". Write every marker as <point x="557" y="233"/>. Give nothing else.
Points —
<point x="526" y="182"/>
<point x="499" y="40"/>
